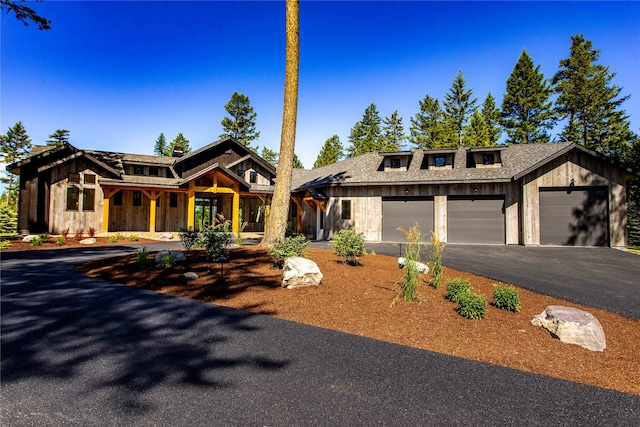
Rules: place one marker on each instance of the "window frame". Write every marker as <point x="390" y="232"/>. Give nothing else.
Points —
<point x="395" y="163"/>
<point x="138" y="170"/>
<point x="345" y="210"/>
<point x="137" y="199"/>
<point x="76" y="197"/>
<point x="488" y="159"/>
<point x="85" y="197"/>
<point x="73" y="178"/>
<point x="154" y="171"/>
<point x="253" y="177"/>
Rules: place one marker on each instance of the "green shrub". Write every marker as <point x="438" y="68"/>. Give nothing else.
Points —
<point x="166" y="260"/>
<point x="456" y="288"/>
<point x="142" y="256"/>
<point x="349" y="245"/>
<point x="289" y="246"/>
<point x="38" y="241"/>
<point x="4" y="244"/>
<point x="61" y="241"/>
<point x="408" y="286"/>
<point x="133" y="238"/>
<point x="215" y="240"/>
<point x="116" y="237"/>
<point x="506" y="298"/>
<point x="471" y="306"/>
<point x="189" y="237"/>
<point x="437" y="270"/>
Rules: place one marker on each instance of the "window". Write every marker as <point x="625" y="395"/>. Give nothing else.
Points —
<point x="173" y="200"/>
<point x="117" y="198"/>
<point x="72" y="198"/>
<point x="89" y="179"/>
<point x="153" y="171"/>
<point x="138" y="170"/>
<point x="88" y="199"/>
<point x="346" y="209"/>
<point x="395" y="163"/>
<point x="488" y="159"/>
<point x="74" y="178"/>
<point x="241" y="173"/>
<point x="440" y="161"/>
<point x="253" y="177"/>
<point x="137" y="198"/>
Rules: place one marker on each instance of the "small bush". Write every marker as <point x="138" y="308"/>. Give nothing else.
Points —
<point x="456" y="288"/>
<point x="38" y="241"/>
<point x="142" y="256"/>
<point x="133" y="238"/>
<point x="349" y="245"/>
<point x="437" y="270"/>
<point x="79" y="234"/>
<point x="189" y="237"/>
<point x="116" y="237"/>
<point x="65" y="233"/>
<point x="289" y="246"/>
<point x="4" y="244"/>
<point x="61" y="241"/>
<point x="471" y="306"/>
<point x="167" y="260"/>
<point x="506" y="298"/>
<point x="216" y="239"/>
<point x="92" y="232"/>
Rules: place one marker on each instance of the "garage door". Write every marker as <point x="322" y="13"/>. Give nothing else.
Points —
<point x="476" y="220"/>
<point x="405" y="212"/>
<point x="574" y="217"/>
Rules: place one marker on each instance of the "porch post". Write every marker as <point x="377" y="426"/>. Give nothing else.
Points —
<point x="191" y="210"/>
<point x="152" y="215"/>
<point x="235" y="212"/>
<point x="105" y="213"/>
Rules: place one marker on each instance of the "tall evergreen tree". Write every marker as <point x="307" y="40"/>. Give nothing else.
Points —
<point x="241" y="124"/>
<point x="589" y="101"/>
<point x="179" y="141"/>
<point x="392" y="133"/>
<point x="491" y="116"/>
<point x="527" y="113"/>
<point x="428" y="128"/>
<point x="14" y="146"/>
<point x="458" y="105"/>
<point x="476" y="133"/>
<point x="58" y="138"/>
<point x="330" y="152"/>
<point x="270" y="156"/>
<point x="365" y="136"/>
<point x="161" y="145"/>
<point x="297" y="163"/>
<point x="632" y="158"/>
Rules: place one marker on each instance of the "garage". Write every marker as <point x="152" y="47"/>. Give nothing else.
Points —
<point x="405" y="212"/>
<point x="574" y="216"/>
<point x="476" y="220"/>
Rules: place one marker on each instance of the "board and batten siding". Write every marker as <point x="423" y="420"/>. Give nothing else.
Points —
<point x="574" y="169"/>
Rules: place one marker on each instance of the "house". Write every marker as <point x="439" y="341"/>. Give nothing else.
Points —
<point x="69" y="188"/>
<point x="549" y="194"/>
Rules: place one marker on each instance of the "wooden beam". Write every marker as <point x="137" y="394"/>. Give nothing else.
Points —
<point x="235" y="213"/>
<point x="191" y="210"/>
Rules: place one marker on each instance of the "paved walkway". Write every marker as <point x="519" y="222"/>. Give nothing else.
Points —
<point x="81" y="351"/>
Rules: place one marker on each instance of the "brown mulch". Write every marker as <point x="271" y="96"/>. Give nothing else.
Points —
<point x="16" y="244"/>
<point x="357" y="300"/>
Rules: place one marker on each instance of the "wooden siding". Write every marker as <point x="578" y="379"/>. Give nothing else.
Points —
<point x="580" y="170"/>
<point x="248" y="166"/>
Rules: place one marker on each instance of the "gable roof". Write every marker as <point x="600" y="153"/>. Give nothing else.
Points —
<point x="517" y="161"/>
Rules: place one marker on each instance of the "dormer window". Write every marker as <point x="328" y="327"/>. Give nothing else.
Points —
<point x="440" y="161"/>
<point x="395" y="164"/>
<point x="253" y="177"/>
<point x="484" y="157"/>
<point x="153" y="171"/>
<point x="241" y="173"/>
<point x="488" y="159"/>
<point x="138" y="170"/>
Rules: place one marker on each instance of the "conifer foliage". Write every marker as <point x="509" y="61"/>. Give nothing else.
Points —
<point x="14" y="146"/>
<point x="428" y="129"/>
<point x="366" y="136"/>
<point x="458" y="106"/>
<point x="330" y="152"/>
<point x="58" y="138"/>
<point x="241" y="122"/>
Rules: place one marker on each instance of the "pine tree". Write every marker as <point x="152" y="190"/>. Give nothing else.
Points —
<point x="270" y="156"/>
<point x="241" y="124"/>
<point x="58" y="138"/>
<point x="8" y="217"/>
<point x="25" y="14"/>
<point x="297" y="163"/>
<point x="458" y="105"/>
<point x="476" y="133"/>
<point x="179" y="141"/>
<point x="428" y="128"/>
<point x="590" y="102"/>
<point x="14" y="146"/>
<point x="491" y="115"/>
<point x="365" y="136"/>
<point x="161" y="145"/>
<point x="330" y="152"/>
<point x="632" y="159"/>
<point x="392" y="133"/>
<point x="527" y="113"/>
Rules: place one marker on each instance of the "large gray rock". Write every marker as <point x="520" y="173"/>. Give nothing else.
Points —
<point x="298" y="272"/>
<point x="165" y="236"/>
<point x="422" y="268"/>
<point x="88" y="241"/>
<point x="29" y="238"/>
<point x="179" y="256"/>
<point x="572" y="326"/>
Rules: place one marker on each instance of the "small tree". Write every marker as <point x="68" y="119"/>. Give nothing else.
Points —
<point x="161" y="145"/>
<point x="241" y="122"/>
<point x="408" y="286"/>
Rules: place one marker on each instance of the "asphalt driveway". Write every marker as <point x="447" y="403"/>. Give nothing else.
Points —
<point x="595" y="277"/>
<point x="81" y="351"/>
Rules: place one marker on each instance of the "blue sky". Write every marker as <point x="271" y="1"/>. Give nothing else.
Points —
<point x="118" y="73"/>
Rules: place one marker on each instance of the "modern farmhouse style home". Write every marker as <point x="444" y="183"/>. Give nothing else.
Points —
<point x="550" y="194"/>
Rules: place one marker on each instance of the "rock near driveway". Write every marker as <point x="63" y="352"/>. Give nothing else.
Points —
<point x="298" y="272"/>
<point x="572" y="326"/>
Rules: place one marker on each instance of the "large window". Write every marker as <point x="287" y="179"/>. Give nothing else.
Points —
<point x="346" y="209"/>
<point x="73" y="195"/>
<point x="88" y="199"/>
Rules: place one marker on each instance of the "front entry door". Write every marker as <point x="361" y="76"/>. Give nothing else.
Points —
<point x="205" y="212"/>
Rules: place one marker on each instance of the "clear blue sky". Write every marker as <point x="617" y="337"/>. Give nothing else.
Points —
<point x="118" y="73"/>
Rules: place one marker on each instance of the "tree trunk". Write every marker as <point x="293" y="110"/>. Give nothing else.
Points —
<point x="277" y="222"/>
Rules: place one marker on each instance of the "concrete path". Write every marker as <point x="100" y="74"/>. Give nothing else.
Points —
<point x="595" y="277"/>
<point x="81" y="351"/>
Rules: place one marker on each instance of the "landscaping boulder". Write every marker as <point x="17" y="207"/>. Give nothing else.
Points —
<point x="29" y="238"/>
<point x="89" y="241"/>
<point x="190" y="275"/>
<point x="165" y="236"/>
<point x="179" y="256"/>
<point x="298" y="272"/>
<point x="422" y="268"/>
<point x="572" y="326"/>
